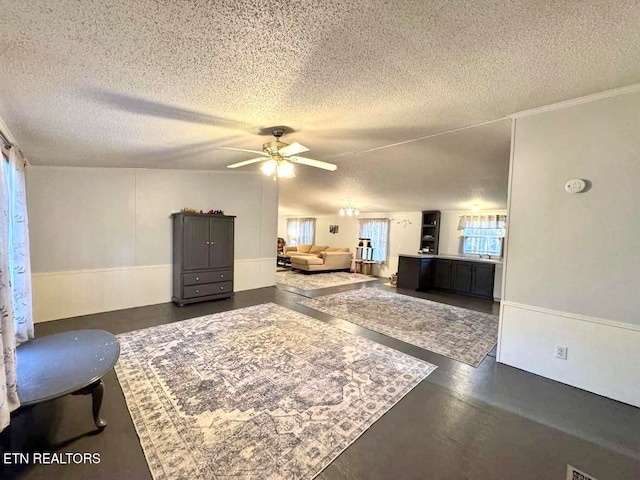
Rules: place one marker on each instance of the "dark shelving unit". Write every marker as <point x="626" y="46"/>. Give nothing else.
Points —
<point x="430" y="233"/>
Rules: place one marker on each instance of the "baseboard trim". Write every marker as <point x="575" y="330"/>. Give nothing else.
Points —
<point x="573" y="316"/>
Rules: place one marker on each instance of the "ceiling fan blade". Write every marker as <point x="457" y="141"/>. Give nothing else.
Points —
<point x="293" y="149"/>
<point x="246" y="162"/>
<point x="314" y="163"/>
<point x="244" y="150"/>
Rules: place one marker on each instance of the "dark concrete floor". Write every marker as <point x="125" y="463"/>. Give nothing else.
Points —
<point x="490" y="422"/>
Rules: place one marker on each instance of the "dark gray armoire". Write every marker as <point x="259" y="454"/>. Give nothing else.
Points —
<point x="202" y="257"/>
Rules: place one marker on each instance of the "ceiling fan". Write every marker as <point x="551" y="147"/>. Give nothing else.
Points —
<point x="281" y="157"/>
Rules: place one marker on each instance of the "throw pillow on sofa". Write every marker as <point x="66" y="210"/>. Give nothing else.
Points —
<point x="317" y="249"/>
<point x="304" y="248"/>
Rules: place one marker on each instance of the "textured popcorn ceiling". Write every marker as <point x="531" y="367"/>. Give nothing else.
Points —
<point x="159" y="84"/>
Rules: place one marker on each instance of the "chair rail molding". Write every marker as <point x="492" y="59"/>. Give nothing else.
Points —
<point x="65" y="294"/>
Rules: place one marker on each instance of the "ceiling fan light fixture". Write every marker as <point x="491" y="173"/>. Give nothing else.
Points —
<point x="280" y="158"/>
<point x="277" y="168"/>
<point x="285" y="169"/>
<point x="342" y="212"/>
<point x="269" y="167"/>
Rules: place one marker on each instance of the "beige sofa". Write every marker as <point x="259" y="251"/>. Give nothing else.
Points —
<point x="307" y="250"/>
<point x="325" y="261"/>
<point x="314" y="258"/>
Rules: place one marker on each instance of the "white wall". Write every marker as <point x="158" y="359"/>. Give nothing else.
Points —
<point x="348" y="231"/>
<point x="101" y="238"/>
<point x="571" y="273"/>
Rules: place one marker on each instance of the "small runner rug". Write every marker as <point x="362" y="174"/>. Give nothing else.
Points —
<point x="259" y="392"/>
<point x="314" y="281"/>
<point x="458" y="333"/>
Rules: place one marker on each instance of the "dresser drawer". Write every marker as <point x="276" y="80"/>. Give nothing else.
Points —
<point x="207" y="277"/>
<point x="208" y="289"/>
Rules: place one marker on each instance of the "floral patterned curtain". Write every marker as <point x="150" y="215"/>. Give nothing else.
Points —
<point x="8" y="387"/>
<point x="20" y="263"/>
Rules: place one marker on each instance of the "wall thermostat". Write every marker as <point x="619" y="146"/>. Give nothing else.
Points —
<point x="575" y="185"/>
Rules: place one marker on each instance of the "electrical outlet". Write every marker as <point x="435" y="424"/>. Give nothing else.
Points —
<point x="561" y="352"/>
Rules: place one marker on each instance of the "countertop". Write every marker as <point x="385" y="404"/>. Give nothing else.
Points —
<point x="465" y="258"/>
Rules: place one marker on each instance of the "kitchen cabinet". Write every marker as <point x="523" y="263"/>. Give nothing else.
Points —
<point x="203" y="254"/>
<point x="461" y="277"/>
<point x="442" y="273"/>
<point x="482" y="279"/>
<point x="414" y="273"/>
<point x="466" y="277"/>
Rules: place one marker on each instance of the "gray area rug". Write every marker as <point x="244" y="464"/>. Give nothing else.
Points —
<point x="314" y="281"/>
<point x="458" y="333"/>
<point x="256" y="393"/>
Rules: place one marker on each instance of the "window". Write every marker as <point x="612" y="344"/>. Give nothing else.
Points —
<point x="483" y="235"/>
<point x="377" y="230"/>
<point x="301" y="231"/>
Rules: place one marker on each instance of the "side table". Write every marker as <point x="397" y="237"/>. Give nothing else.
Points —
<point x="66" y="363"/>
<point x="283" y="261"/>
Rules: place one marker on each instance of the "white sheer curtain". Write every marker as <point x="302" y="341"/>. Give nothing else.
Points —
<point x="8" y="388"/>
<point x="20" y="263"/>
<point x="376" y="229"/>
<point x="301" y="231"/>
<point x="482" y="221"/>
<point x="482" y="234"/>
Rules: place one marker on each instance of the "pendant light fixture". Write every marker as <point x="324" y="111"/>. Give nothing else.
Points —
<point x="349" y="210"/>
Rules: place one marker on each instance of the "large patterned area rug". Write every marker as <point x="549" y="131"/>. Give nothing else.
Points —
<point x="458" y="333"/>
<point x="261" y="392"/>
<point x="320" y="280"/>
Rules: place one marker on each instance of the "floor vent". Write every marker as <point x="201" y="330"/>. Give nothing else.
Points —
<point x="574" y="474"/>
